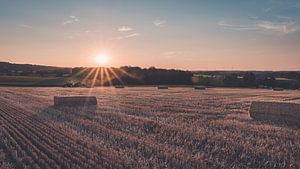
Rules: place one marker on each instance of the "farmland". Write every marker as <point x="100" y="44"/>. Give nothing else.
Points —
<point x="34" y="81"/>
<point x="142" y="127"/>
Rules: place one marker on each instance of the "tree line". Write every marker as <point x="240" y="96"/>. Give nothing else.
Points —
<point x="127" y="75"/>
<point x="287" y="80"/>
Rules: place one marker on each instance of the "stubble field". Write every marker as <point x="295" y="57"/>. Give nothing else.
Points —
<point x="142" y="127"/>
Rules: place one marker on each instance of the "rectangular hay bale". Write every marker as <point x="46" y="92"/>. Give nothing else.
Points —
<point x="278" y="89"/>
<point x="75" y="100"/>
<point x="200" y="87"/>
<point x="276" y="111"/>
<point x="162" y="87"/>
<point x="119" y="86"/>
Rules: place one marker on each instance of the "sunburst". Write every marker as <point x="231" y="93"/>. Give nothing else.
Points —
<point x="100" y="75"/>
<point x="102" y="60"/>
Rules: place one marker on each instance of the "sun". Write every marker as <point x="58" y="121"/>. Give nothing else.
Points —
<point x="102" y="59"/>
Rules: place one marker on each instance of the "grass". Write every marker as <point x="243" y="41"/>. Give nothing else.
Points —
<point x="144" y="128"/>
<point x="33" y="81"/>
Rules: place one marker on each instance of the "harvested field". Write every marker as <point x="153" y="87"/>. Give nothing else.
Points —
<point x="75" y="101"/>
<point x="142" y="127"/>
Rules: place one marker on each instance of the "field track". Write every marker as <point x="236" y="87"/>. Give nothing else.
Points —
<point x="144" y="128"/>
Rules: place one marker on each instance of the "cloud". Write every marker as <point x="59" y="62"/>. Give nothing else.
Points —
<point x="237" y="27"/>
<point x="124" y="29"/>
<point x="170" y="54"/>
<point x="268" y="9"/>
<point x="126" y="36"/>
<point x="159" y="23"/>
<point x="67" y="22"/>
<point x="283" y="17"/>
<point x="131" y="35"/>
<point x="72" y="19"/>
<point x="253" y="17"/>
<point x="25" y="26"/>
<point x="283" y="28"/>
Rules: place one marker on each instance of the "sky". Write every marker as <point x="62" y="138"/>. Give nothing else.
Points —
<point x="179" y="34"/>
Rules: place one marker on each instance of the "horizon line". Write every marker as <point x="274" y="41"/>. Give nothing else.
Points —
<point x="192" y="70"/>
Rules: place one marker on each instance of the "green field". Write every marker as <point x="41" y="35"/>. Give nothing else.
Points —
<point x="32" y="81"/>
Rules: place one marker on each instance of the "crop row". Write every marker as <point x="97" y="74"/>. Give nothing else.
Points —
<point x="35" y="144"/>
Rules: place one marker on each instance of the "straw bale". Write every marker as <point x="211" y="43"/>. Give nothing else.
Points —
<point x="162" y="87"/>
<point x="200" y="87"/>
<point x="275" y="111"/>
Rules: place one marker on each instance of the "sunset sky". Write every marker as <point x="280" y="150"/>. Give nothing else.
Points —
<point x="182" y="34"/>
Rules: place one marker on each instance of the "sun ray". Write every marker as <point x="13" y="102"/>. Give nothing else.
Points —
<point x="92" y="85"/>
<point x="89" y="74"/>
<point x="108" y="76"/>
<point x="80" y="72"/>
<point x="115" y="75"/>
<point x="95" y="77"/>
<point x="94" y="80"/>
<point x="128" y="74"/>
<point x="101" y="76"/>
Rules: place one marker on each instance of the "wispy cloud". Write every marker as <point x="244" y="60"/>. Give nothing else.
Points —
<point x="70" y="20"/>
<point x="67" y="22"/>
<point x="253" y="17"/>
<point x="74" y="18"/>
<point x="170" y="54"/>
<point x="124" y="29"/>
<point x="126" y="36"/>
<point x="159" y="23"/>
<point x="237" y="27"/>
<point x="268" y="9"/>
<point x="283" y="17"/>
<point x="282" y="28"/>
<point x="25" y="26"/>
<point x="131" y="35"/>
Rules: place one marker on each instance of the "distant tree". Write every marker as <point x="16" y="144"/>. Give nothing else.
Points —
<point x="153" y="76"/>
<point x="269" y="81"/>
<point x="293" y="75"/>
<point x="59" y="74"/>
<point x="152" y="68"/>
<point x="249" y="79"/>
<point x="24" y="73"/>
<point x="231" y="80"/>
<point x="201" y="80"/>
<point x="41" y="73"/>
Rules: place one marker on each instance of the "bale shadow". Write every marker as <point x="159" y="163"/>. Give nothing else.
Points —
<point x="65" y="113"/>
<point x="266" y="122"/>
<point x="293" y="126"/>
